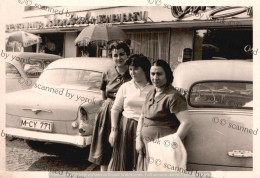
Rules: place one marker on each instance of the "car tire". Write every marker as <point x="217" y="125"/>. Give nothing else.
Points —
<point x="75" y="153"/>
<point x="36" y="145"/>
<point x="232" y="103"/>
<point x="61" y="150"/>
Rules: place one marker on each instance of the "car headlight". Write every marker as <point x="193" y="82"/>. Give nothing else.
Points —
<point x="85" y="124"/>
<point x="83" y="115"/>
<point x="74" y="124"/>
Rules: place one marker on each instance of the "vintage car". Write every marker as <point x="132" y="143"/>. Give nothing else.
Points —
<point x="50" y="110"/>
<point x="220" y="102"/>
<point x="24" y="68"/>
<point x="62" y="105"/>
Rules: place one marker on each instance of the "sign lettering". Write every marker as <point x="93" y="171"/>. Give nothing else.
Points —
<point x="74" y="19"/>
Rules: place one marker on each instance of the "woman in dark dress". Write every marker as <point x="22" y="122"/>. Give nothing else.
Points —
<point x="164" y="111"/>
<point x="112" y="79"/>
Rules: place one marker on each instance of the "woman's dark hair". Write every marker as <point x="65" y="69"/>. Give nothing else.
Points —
<point x="119" y="45"/>
<point x="167" y="69"/>
<point x="139" y="60"/>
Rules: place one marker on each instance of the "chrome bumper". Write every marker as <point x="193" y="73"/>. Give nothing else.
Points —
<point x="77" y="140"/>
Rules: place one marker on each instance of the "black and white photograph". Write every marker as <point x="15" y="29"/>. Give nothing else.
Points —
<point x="129" y="89"/>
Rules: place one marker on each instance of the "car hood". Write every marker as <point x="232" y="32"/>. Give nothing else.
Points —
<point x="44" y="105"/>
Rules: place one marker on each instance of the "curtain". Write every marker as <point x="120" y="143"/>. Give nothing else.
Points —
<point x="153" y="44"/>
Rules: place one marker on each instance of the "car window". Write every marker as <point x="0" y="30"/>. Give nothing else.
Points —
<point x="222" y="94"/>
<point x="219" y="43"/>
<point x="34" y="69"/>
<point x="71" y="78"/>
<point x="11" y="71"/>
<point x="33" y="72"/>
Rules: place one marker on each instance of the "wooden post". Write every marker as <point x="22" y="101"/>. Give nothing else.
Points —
<point x="37" y="47"/>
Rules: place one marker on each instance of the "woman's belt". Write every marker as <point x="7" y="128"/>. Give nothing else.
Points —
<point x="168" y="123"/>
<point x="110" y="99"/>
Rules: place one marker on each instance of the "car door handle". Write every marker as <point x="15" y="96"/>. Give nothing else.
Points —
<point x="240" y="154"/>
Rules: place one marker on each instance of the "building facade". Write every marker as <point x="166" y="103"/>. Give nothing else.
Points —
<point x="173" y="33"/>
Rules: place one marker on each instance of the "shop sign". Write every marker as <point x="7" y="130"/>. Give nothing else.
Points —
<point x="30" y="42"/>
<point x="214" y="12"/>
<point x="101" y="19"/>
<point x="77" y="20"/>
<point x="24" y="26"/>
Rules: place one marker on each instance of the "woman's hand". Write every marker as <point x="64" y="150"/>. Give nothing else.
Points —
<point x="139" y="144"/>
<point x="113" y="137"/>
<point x="185" y="125"/>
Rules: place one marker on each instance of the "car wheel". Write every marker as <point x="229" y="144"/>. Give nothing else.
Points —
<point x="61" y="150"/>
<point x="232" y="104"/>
<point x="74" y="152"/>
<point x="36" y="145"/>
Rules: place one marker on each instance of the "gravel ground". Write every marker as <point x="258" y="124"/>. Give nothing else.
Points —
<point x="53" y="157"/>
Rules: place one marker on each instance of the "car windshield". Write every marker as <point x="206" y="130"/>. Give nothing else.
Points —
<point x="71" y="79"/>
<point x="11" y="71"/>
<point x="222" y="94"/>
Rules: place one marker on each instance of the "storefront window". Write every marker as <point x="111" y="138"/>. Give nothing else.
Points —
<point x="91" y="49"/>
<point x="223" y="44"/>
<point x="151" y="43"/>
<point x="14" y="46"/>
<point x="52" y="44"/>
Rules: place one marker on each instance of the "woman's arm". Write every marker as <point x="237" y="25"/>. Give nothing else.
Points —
<point x="185" y="125"/>
<point x="103" y="94"/>
<point x="139" y="125"/>
<point x="104" y="83"/>
<point x="115" y="112"/>
<point x="139" y="142"/>
<point x="114" y="126"/>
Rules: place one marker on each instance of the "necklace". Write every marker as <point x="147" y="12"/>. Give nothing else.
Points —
<point x="141" y="87"/>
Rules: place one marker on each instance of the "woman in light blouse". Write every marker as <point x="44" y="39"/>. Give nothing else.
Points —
<point x="129" y="100"/>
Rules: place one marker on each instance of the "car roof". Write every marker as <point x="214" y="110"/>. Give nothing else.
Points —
<point x="84" y="63"/>
<point x="29" y="56"/>
<point x="34" y="56"/>
<point x="188" y="73"/>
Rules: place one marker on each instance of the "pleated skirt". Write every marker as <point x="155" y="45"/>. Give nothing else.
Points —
<point x="124" y="156"/>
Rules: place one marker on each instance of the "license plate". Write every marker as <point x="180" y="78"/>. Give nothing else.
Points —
<point x="36" y="125"/>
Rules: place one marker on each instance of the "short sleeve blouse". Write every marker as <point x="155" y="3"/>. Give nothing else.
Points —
<point x="162" y="108"/>
<point x="130" y="99"/>
<point x="112" y="80"/>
